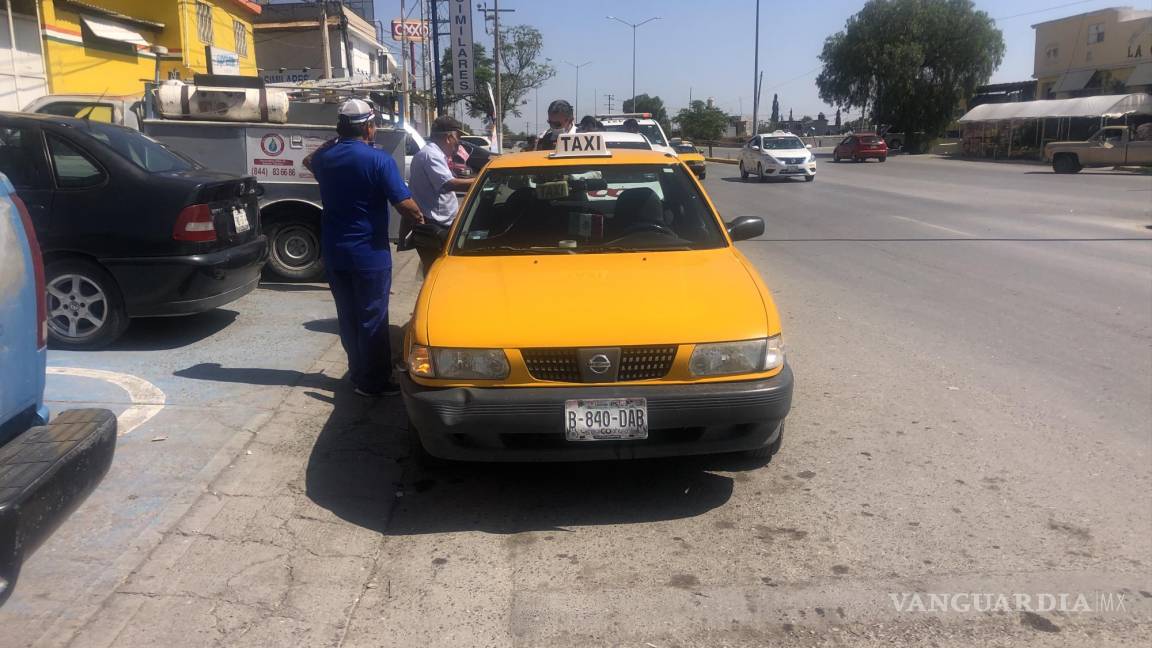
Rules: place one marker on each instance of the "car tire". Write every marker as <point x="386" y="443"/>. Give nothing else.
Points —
<point x="294" y="251"/>
<point x="770" y="450"/>
<point x="85" y="307"/>
<point x="703" y="175"/>
<point x="857" y="159"/>
<point x="1066" y="163"/>
<point x="743" y="173"/>
<point x="809" y="178"/>
<point x="882" y="158"/>
<point x="835" y="157"/>
<point x="760" y="171"/>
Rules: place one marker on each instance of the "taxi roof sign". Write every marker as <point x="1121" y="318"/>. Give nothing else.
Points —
<point x="581" y="145"/>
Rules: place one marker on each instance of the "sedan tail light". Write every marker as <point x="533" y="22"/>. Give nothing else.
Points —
<point x="38" y="270"/>
<point x="195" y="224"/>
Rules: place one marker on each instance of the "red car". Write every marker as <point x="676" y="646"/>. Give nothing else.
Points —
<point x="861" y="146"/>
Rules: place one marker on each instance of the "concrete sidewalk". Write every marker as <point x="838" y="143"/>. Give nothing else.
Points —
<point x="285" y="540"/>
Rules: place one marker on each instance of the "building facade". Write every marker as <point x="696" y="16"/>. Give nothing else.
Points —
<point x="22" y="74"/>
<point x="1097" y="53"/>
<point x="289" y="44"/>
<point x="113" y="46"/>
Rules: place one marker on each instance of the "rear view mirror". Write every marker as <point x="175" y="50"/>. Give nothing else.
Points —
<point x="746" y="227"/>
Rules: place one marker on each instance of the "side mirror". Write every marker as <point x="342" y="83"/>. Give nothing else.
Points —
<point x="808" y="146"/>
<point x="755" y="148"/>
<point x="746" y="227"/>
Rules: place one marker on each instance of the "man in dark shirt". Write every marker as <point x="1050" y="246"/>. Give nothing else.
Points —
<point x="357" y="181"/>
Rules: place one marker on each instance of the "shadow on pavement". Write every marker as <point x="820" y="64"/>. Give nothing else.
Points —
<point x="168" y="333"/>
<point x="327" y="325"/>
<point x="215" y="372"/>
<point x="363" y="468"/>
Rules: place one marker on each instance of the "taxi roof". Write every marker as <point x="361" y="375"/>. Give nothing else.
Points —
<point x="542" y="158"/>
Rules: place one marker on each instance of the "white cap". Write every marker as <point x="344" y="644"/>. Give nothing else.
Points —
<point x="357" y="111"/>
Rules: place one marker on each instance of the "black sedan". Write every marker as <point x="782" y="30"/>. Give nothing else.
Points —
<point x="128" y="227"/>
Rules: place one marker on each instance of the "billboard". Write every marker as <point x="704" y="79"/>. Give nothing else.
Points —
<point x="460" y="22"/>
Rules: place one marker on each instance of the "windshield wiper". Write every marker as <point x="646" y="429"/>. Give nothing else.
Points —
<point x="519" y="250"/>
<point x="625" y="248"/>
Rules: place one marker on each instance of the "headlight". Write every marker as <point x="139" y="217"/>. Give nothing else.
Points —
<point x="431" y="362"/>
<point x="726" y="358"/>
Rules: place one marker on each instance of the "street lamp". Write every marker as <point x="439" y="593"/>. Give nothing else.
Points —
<point x="633" y="26"/>
<point x="576" y="109"/>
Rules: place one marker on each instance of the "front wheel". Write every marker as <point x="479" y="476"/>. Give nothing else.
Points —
<point x="85" y="309"/>
<point x="1066" y="163"/>
<point x="809" y="178"/>
<point x="882" y="158"/>
<point x="743" y="173"/>
<point x="760" y="171"/>
<point x="294" y="251"/>
<point x="835" y="157"/>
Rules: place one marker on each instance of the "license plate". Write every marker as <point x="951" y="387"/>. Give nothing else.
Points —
<point x="606" y="419"/>
<point x="240" y="217"/>
<point x="794" y="169"/>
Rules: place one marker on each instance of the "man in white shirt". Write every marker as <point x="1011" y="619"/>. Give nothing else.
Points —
<point x="433" y="187"/>
<point x="561" y="120"/>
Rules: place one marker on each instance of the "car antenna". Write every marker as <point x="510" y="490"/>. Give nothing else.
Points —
<point x="92" y="106"/>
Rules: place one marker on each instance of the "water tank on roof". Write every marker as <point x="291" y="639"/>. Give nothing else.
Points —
<point x="179" y="100"/>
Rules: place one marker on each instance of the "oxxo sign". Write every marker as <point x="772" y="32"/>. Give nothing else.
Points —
<point x="410" y="31"/>
<point x="460" y="20"/>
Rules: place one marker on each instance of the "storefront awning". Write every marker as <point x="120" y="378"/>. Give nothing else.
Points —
<point x="1101" y="106"/>
<point x="1141" y="76"/>
<point x="109" y="30"/>
<point x="1073" y="81"/>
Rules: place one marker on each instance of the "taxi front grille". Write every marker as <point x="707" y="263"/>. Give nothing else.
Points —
<point x="563" y="364"/>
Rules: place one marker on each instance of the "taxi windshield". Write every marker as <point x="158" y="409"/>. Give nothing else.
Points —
<point x="781" y="143"/>
<point x="651" y="131"/>
<point x="587" y="209"/>
<point x="686" y="148"/>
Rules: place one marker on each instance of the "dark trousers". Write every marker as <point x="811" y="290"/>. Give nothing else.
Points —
<point x="362" y="309"/>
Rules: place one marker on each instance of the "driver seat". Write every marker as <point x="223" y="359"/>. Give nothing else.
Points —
<point x="636" y="207"/>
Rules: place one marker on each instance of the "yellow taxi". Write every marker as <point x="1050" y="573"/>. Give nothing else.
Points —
<point x="590" y="304"/>
<point x="690" y="155"/>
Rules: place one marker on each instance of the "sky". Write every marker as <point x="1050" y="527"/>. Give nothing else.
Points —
<point x="703" y="49"/>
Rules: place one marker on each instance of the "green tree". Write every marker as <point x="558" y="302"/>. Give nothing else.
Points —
<point x="520" y="73"/>
<point x="910" y="62"/>
<point x="700" y="122"/>
<point x="646" y="104"/>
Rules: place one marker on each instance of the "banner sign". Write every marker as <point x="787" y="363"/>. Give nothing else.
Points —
<point x="221" y="61"/>
<point x="460" y="20"/>
<point x="411" y="31"/>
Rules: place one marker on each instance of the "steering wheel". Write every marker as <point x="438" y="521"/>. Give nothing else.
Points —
<point x="649" y="226"/>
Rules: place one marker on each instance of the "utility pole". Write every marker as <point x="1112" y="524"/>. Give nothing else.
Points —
<point x="756" y="76"/>
<point x="610" y="97"/>
<point x="403" y="69"/>
<point x="634" y="26"/>
<point x="324" y="39"/>
<point x="497" y="100"/>
<point x="576" y="107"/>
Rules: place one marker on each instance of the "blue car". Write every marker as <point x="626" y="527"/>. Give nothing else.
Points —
<point x="46" y="467"/>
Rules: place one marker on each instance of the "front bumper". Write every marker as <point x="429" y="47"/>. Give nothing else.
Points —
<point x="45" y="473"/>
<point x="774" y="168"/>
<point x="526" y="423"/>
<point x="160" y="286"/>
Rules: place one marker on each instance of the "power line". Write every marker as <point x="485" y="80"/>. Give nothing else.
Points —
<point x="1029" y="13"/>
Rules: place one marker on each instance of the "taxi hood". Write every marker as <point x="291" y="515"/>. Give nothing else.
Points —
<point x="592" y="300"/>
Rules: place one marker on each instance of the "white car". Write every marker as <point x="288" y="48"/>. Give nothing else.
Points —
<point x="649" y="128"/>
<point x="777" y="154"/>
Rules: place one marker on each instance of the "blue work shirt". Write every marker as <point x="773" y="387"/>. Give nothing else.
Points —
<point x="357" y="182"/>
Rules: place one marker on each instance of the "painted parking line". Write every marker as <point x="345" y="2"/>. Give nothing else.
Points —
<point x="147" y="399"/>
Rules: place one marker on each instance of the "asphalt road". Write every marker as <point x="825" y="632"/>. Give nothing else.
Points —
<point x="972" y="349"/>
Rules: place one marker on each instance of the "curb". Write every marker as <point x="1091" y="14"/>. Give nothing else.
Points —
<point x="722" y="160"/>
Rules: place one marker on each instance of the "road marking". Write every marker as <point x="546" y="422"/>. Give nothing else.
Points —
<point x="147" y="399"/>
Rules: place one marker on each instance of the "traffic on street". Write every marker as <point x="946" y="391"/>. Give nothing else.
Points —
<point x="315" y="336"/>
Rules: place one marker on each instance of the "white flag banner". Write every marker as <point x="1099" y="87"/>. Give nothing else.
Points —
<point x="463" y="61"/>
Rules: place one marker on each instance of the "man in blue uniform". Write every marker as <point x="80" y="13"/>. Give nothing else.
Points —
<point x="357" y="181"/>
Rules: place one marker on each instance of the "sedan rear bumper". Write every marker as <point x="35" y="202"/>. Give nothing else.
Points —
<point x="44" y="475"/>
<point x="159" y="286"/>
<point x="527" y="423"/>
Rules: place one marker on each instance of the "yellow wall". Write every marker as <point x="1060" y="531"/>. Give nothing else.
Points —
<point x="76" y="67"/>
<point x="1062" y="45"/>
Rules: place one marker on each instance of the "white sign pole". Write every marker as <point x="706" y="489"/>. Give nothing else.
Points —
<point x="460" y="21"/>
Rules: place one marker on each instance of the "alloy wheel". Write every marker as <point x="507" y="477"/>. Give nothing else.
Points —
<point x="77" y="307"/>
